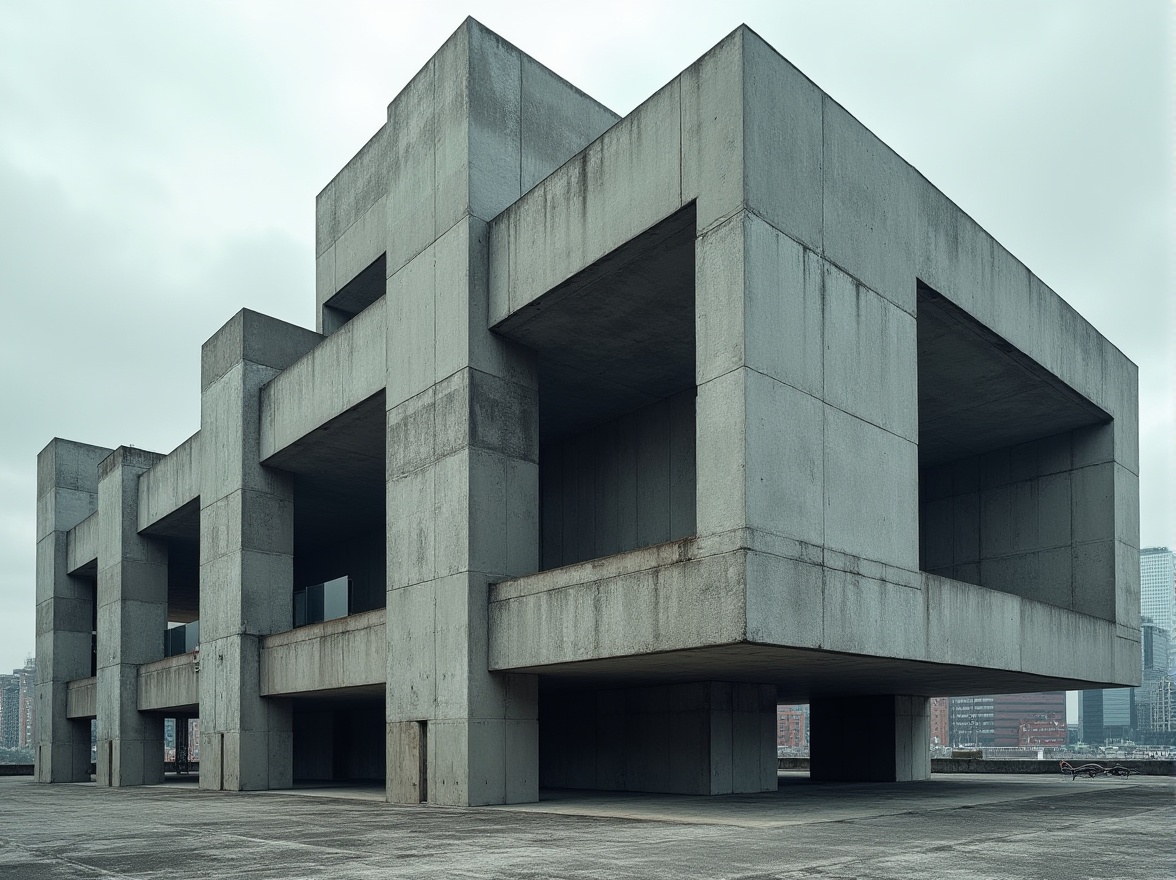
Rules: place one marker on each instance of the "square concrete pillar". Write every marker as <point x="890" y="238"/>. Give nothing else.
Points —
<point x="67" y="493"/>
<point x="465" y="138"/>
<point x="870" y="739"/>
<point x="246" y="556"/>
<point x="132" y="617"/>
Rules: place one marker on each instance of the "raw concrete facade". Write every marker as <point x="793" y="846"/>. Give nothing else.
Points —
<point x="620" y="431"/>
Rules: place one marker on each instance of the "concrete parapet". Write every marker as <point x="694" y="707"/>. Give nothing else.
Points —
<point x="82" y="699"/>
<point x="81" y="555"/>
<point x="171" y="484"/>
<point x="344" y="653"/>
<point x="170" y="683"/>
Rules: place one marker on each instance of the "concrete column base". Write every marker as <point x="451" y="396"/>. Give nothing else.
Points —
<point x="124" y="762"/>
<point x="698" y="738"/>
<point x="463" y="762"/>
<point x="870" y="739"/>
<point x="65" y="761"/>
<point x="246" y="741"/>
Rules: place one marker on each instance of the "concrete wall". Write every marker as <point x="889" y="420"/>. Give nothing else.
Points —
<point x="170" y="683"/>
<point x="811" y="239"/>
<point x="171" y="483"/>
<point x="336" y="375"/>
<point x="246" y="555"/>
<point x="82" y="701"/>
<point x="1041" y="520"/>
<point x="625" y="484"/>
<point x="698" y="738"/>
<point x="347" y="652"/>
<point x="352" y="218"/>
<point x="82" y="545"/>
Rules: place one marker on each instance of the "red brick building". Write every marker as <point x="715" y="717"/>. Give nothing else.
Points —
<point x="792" y="731"/>
<point x="939" y="721"/>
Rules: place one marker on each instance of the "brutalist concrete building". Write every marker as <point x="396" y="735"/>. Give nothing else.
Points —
<point x="613" y="433"/>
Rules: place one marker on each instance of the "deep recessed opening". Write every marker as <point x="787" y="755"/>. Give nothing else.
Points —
<point x="354" y="296"/>
<point x="339" y="515"/>
<point x="615" y="346"/>
<point x="340" y="738"/>
<point x="1010" y="495"/>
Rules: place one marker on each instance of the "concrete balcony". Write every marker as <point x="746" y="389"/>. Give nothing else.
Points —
<point x="334" y="655"/>
<point x="81" y="699"/>
<point x="170" y="683"/>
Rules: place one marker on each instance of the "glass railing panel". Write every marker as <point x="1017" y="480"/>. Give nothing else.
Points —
<point x="319" y="602"/>
<point x="181" y="639"/>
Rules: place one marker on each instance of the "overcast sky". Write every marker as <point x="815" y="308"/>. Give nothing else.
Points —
<point x="159" y="163"/>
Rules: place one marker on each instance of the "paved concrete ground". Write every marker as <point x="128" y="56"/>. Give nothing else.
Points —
<point x="955" y="827"/>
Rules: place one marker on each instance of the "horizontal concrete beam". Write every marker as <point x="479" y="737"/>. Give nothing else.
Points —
<point x="170" y="484"/>
<point x="82" y="698"/>
<point x="82" y="545"/>
<point x="170" y="683"/>
<point x="344" y="653"/>
<point x="345" y="369"/>
<point x="776" y="619"/>
<point x="655" y="599"/>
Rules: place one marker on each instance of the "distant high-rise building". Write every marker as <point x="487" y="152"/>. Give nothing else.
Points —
<point x="1012" y="711"/>
<point x="9" y="711"/>
<point x="998" y="719"/>
<point x="26" y="704"/>
<point x="1106" y="715"/>
<point x="1157" y="586"/>
<point x="972" y="721"/>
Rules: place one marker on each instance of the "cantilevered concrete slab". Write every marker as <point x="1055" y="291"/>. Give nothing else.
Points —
<point x="612" y="433"/>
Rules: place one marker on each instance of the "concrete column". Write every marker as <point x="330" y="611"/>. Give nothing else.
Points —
<point x="132" y="617"/>
<point x="870" y="739"/>
<point x="246" y="556"/>
<point x="463" y="492"/>
<point x="470" y="133"/>
<point x="67" y="493"/>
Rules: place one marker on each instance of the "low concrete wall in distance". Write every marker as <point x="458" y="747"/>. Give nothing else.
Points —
<point x="16" y="769"/>
<point x="1011" y="765"/>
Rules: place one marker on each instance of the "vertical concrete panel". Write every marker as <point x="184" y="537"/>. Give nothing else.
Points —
<point x="720" y="325"/>
<point x="653" y="476"/>
<point x="712" y="111"/>
<point x="783" y="118"/>
<point x="783" y="323"/>
<point x="870" y="356"/>
<point x="871" y="486"/>
<point x="495" y="124"/>
<point x="683" y="480"/>
<point x="721" y="454"/>
<point x="557" y="121"/>
<point x="785" y="467"/>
